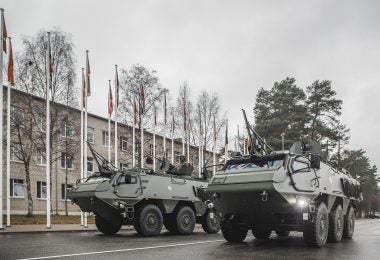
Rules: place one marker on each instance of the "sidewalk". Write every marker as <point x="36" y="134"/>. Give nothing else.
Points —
<point x="35" y="228"/>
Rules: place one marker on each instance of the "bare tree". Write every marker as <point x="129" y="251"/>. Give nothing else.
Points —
<point x="142" y="85"/>
<point x="31" y="79"/>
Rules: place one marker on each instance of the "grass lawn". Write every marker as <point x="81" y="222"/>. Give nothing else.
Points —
<point x="41" y="219"/>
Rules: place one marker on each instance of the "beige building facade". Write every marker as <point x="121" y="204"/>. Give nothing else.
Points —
<point x="65" y="166"/>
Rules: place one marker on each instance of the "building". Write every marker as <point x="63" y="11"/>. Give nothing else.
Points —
<point x="28" y="162"/>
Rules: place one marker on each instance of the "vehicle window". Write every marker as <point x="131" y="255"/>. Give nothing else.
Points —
<point x="270" y="164"/>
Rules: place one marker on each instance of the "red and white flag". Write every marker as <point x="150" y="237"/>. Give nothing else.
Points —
<point x="134" y="112"/>
<point x="11" y="78"/>
<point x="110" y="100"/>
<point x="5" y="34"/>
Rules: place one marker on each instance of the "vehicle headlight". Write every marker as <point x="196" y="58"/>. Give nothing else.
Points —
<point x="302" y="202"/>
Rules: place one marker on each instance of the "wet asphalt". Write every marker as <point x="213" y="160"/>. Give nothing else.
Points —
<point x="127" y="245"/>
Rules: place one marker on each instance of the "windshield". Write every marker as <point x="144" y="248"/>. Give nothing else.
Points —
<point x="263" y="162"/>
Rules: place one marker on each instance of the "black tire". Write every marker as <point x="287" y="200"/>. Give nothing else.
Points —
<point x="349" y="223"/>
<point x="232" y="231"/>
<point x="336" y="224"/>
<point x="315" y="232"/>
<point x="211" y="225"/>
<point x="148" y="221"/>
<point x="170" y="223"/>
<point x="261" y="232"/>
<point x="184" y="220"/>
<point x="105" y="227"/>
<point x="282" y="233"/>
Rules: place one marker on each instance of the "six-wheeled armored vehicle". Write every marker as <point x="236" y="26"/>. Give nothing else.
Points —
<point x="145" y="199"/>
<point x="267" y="191"/>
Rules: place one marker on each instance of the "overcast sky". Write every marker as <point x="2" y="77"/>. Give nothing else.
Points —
<point x="230" y="47"/>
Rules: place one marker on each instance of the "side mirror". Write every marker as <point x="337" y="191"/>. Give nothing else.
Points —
<point x="128" y="178"/>
<point x="315" y="161"/>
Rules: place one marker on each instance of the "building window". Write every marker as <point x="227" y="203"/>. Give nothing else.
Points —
<point x="17" y="115"/>
<point x="151" y="149"/>
<point x="17" y="188"/>
<point x="123" y="166"/>
<point x="105" y="139"/>
<point x="66" y="161"/>
<point x="64" y="189"/>
<point x="41" y="123"/>
<point x="90" y="134"/>
<point x="123" y="143"/>
<point x="16" y="154"/>
<point x="67" y="130"/>
<point x="90" y="164"/>
<point x="41" y="190"/>
<point x="177" y="157"/>
<point x="41" y="156"/>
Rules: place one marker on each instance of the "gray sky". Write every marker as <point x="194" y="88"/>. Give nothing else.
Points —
<point x="230" y="47"/>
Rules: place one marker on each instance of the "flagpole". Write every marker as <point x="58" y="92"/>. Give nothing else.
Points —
<point x="9" y="142"/>
<point x="116" y="107"/>
<point x="188" y="146"/>
<point x="142" y="142"/>
<point x="133" y="135"/>
<point x="199" y="150"/>
<point x="83" y="86"/>
<point x="48" y="202"/>
<point x="226" y="144"/>
<point x="154" y="148"/>
<point x="109" y="120"/>
<point x="172" y="136"/>
<point x="1" y="117"/>
<point x="214" y="148"/>
<point x="85" y="124"/>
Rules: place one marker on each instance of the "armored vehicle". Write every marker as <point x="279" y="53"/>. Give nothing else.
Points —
<point x="269" y="191"/>
<point x="145" y="199"/>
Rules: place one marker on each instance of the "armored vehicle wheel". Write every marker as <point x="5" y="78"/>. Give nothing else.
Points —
<point x="315" y="233"/>
<point x="169" y="223"/>
<point x="185" y="220"/>
<point x="148" y="221"/>
<point x="211" y="222"/>
<point x="232" y="231"/>
<point x="105" y="227"/>
<point x="336" y="224"/>
<point x="261" y="232"/>
<point x="349" y="223"/>
<point x="282" y="233"/>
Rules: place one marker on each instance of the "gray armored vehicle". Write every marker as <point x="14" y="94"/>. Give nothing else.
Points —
<point x="145" y="199"/>
<point x="267" y="191"/>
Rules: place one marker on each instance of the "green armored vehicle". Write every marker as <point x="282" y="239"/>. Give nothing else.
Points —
<point x="267" y="191"/>
<point x="145" y="199"/>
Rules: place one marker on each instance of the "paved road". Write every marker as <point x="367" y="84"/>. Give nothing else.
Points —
<point x="127" y="245"/>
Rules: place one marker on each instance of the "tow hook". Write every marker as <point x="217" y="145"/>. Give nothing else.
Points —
<point x="264" y="196"/>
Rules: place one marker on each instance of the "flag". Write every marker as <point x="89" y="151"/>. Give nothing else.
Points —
<point x="226" y="140"/>
<point x="49" y="58"/>
<point x="88" y="72"/>
<point x="5" y="34"/>
<point x="117" y="85"/>
<point x="83" y="88"/>
<point x="165" y="109"/>
<point x="110" y="101"/>
<point x="134" y="112"/>
<point x="142" y="99"/>
<point x="11" y="78"/>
